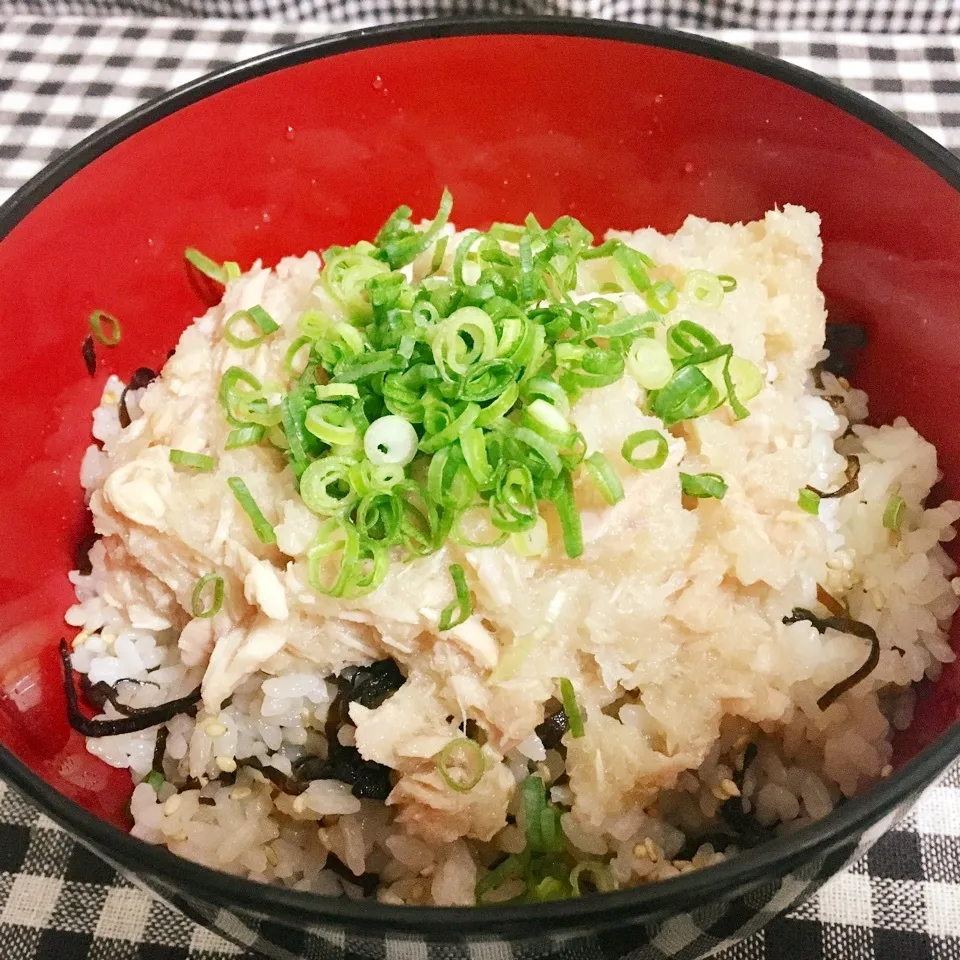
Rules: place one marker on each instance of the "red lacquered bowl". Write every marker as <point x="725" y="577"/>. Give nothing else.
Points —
<point x="620" y="126"/>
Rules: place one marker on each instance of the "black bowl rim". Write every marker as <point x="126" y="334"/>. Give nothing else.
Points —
<point x="774" y="858"/>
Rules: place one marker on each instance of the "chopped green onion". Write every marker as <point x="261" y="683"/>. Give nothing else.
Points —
<point x="703" y="485"/>
<point x="325" y="486"/>
<point x="155" y="779"/>
<point x="244" y="436"/>
<point x="662" y="296"/>
<point x="599" y="873"/>
<point x="571" y="709"/>
<point x="390" y="441"/>
<point x="649" y="363"/>
<point x="515" y="865"/>
<point x="532" y="542"/>
<point x="747" y="378"/>
<point x="263" y="320"/>
<point x="604" y="476"/>
<point x="255" y="317"/>
<point x="685" y="396"/>
<point x="345" y="275"/>
<point x="331" y="424"/>
<point x="293" y="351"/>
<point x="261" y="526"/>
<point x="569" y="516"/>
<point x="234" y="400"/>
<point x="550" y="888"/>
<point x="205" y="265"/>
<point x="461" y="764"/>
<point x="809" y="501"/>
<point x="336" y="391"/>
<point x="197" y="461"/>
<point x="462" y="607"/>
<point x="893" y="512"/>
<point x="97" y="320"/>
<point x="727" y="283"/>
<point x="466" y="382"/>
<point x="704" y="288"/>
<point x="633" y="266"/>
<point x="688" y="339"/>
<point x="542" y="820"/>
<point x="233" y="338"/>
<point x="642" y="438"/>
<point x="197" y="605"/>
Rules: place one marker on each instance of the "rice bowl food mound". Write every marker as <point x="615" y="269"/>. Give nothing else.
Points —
<point x="459" y="568"/>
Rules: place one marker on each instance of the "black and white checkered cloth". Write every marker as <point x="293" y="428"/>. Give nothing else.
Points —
<point x="61" y="78"/>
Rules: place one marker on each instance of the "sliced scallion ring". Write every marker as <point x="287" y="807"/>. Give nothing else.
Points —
<point x="893" y="512"/>
<point x="261" y="526"/>
<point x="198" y="608"/>
<point x="461" y="764"/>
<point x="571" y="708"/>
<point x="209" y="268"/>
<point x="641" y="441"/>
<point x="600" y="876"/>
<point x="703" y="485"/>
<point x="105" y="327"/>
<point x="599" y="469"/>
<point x="196" y="461"/>
<point x="390" y="441"/>
<point x="703" y="288"/>
<point x="462" y="606"/>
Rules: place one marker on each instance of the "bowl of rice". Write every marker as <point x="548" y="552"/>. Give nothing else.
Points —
<point x="456" y="502"/>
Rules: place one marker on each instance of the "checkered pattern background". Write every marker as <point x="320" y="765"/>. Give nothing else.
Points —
<point x="61" y="78"/>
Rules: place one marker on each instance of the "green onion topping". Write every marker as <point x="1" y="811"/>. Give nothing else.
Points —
<point x="110" y="336"/>
<point x="244" y="436"/>
<point x="571" y="708"/>
<point x="809" y="500"/>
<point x="197" y="605"/>
<point x="460" y="764"/>
<point x="603" y="475"/>
<point x="255" y="318"/>
<point x="461" y="386"/>
<point x="155" y="779"/>
<point x="197" y="461"/>
<point x="601" y="879"/>
<point x="210" y="268"/>
<point x="542" y="819"/>
<point x="893" y="512"/>
<point x="461" y="608"/>
<point x="641" y="440"/>
<point x="703" y="485"/>
<point x="261" y="526"/>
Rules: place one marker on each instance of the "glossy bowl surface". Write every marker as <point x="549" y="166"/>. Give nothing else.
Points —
<point x="620" y="126"/>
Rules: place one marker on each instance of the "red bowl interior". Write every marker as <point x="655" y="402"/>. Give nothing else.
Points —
<point x="617" y="134"/>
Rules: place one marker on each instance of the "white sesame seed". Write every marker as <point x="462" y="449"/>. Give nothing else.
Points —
<point x="271" y="856"/>
<point x="214" y="728"/>
<point x="299" y="805"/>
<point x="240" y="793"/>
<point x="172" y="805"/>
<point x="226" y="764"/>
<point x="80" y="639"/>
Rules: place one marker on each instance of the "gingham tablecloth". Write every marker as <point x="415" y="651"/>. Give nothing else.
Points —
<point x="62" y="78"/>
